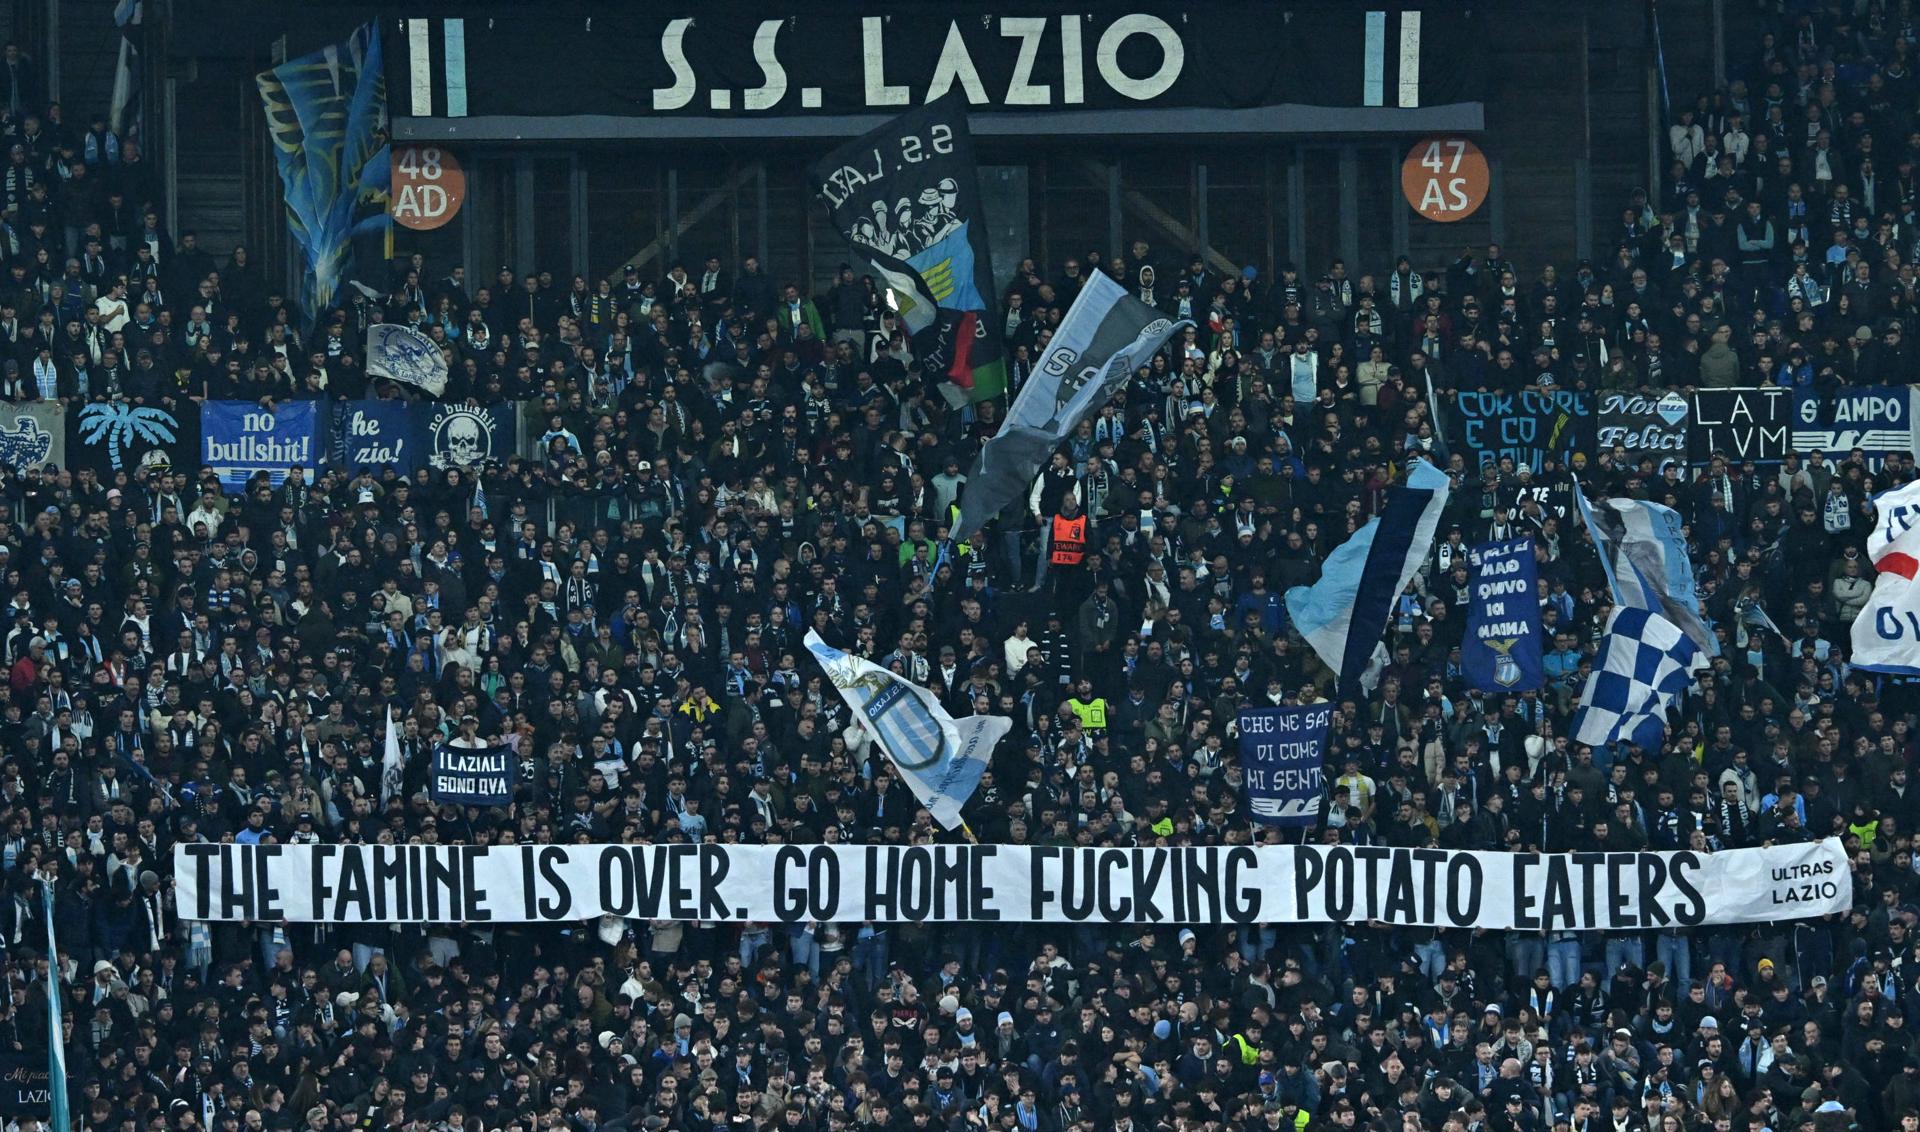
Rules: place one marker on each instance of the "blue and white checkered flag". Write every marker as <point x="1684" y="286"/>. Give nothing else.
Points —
<point x="1644" y="669"/>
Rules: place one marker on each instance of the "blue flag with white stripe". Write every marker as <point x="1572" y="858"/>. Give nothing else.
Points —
<point x="1344" y="614"/>
<point x="1644" y="667"/>
<point x="1645" y="557"/>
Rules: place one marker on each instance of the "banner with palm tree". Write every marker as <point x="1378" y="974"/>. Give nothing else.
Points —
<point x="327" y="113"/>
<point x="116" y="436"/>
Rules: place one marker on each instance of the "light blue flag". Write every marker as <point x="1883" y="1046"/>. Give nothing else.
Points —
<point x="58" y="1119"/>
<point x="1344" y="614"/>
<point x="1645" y="557"/>
<point x="326" y="113"/>
<point x="939" y="757"/>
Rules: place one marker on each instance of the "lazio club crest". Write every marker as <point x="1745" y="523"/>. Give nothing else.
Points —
<point x="1506" y="670"/>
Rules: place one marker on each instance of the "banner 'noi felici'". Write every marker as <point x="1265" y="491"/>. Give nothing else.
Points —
<point x="1021" y="884"/>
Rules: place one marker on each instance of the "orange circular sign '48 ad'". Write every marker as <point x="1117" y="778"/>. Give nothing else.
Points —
<point x="428" y="187"/>
<point x="1444" y="179"/>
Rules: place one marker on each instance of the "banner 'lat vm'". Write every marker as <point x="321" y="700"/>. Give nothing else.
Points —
<point x="1010" y="883"/>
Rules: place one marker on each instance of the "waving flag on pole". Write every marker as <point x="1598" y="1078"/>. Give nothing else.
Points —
<point x="907" y="196"/>
<point x="1645" y="667"/>
<point x="393" y="767"/>
<point x="939" y="757"/>
<point x="1645" y="558"/>
<point x="123" y="115"/>
<point x="1440" y="451"/>
<point x="58" y="1116"/>
<point x="1755" y="619"/>
<point x="400" y="353"/>
<point x="1886" y="634"/>
<point x="1344" y="614"/>
<point x="1093" y="353"/>
<point x="326" y="113"/>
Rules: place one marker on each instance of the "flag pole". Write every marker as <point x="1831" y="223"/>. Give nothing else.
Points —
<point x="968" y="830"/>
<point x="58" y="1119"/>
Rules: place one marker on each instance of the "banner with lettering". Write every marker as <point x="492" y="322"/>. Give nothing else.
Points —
<point x="25" y="1080"/>
<point x="1645" y="426"/>
<point x="239" y="438"/>
<point x="715" y="70"/>
<point x="1877" y="419"/>
<point x="375" y="434"/>
<point x="1745" y="424"/>
<point x="907" y="197"/>
<point x="468" y="776"/>
<point x="1009" y="883"/>
<point x="1527" y="426"/>
<point x="1501" y="651"/>
<point x="1283" y="756"/>
<point x="466" y="435"/>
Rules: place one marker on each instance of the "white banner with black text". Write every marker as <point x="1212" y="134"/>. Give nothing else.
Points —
<point x="1009" y="883"/>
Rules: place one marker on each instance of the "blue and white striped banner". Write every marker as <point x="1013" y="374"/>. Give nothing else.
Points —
<point x="1344" y="614"/>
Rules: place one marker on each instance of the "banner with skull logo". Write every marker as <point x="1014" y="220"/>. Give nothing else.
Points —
<point x="466" y="436"/>
<point x="907" y="196"/>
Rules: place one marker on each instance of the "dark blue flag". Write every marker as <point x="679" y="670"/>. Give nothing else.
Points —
<point x="1501" y="652"/>
<point x="376" y="434"/>
<point x="1283" y="753"/>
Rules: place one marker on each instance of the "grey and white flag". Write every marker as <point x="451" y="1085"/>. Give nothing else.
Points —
<point x="400" y="352"/>
<point x="1106" y="335"/>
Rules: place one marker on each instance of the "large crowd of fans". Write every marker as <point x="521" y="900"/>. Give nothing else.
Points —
<point x="729" y="459"/>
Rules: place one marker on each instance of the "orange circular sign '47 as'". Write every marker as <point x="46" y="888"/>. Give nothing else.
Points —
<point x="428" y="187"/>
<point x="1445" y="179"/>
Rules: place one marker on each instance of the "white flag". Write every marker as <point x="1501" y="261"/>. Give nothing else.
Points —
<point x="393" y="768"/>
<point x="402" y="353"/>
<point x="939" y="757"/>
<point x="1886" y="635"/>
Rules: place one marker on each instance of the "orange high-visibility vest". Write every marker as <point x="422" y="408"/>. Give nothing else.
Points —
<point x="1069" y="540"/>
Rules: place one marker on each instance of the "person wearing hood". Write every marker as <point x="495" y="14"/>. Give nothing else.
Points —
<point x="1719" y="364"/>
